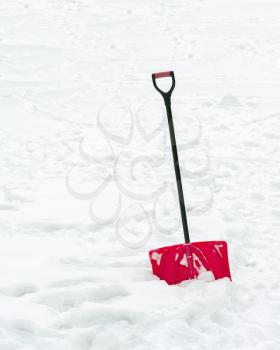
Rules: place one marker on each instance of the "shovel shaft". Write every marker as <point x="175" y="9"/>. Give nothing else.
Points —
<point x="177" y="173"/>
<point x="167" y="100"/>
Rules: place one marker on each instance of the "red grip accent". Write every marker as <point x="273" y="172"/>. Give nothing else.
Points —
<point x="162" y="74"/>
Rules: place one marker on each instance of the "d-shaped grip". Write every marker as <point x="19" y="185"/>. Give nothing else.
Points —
<point x="165" y="94"/>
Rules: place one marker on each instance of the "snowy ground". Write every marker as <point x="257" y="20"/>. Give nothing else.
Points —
<point x="87" y="182"/>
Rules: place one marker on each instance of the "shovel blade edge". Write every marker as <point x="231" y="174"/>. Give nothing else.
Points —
<point x="197" y="260"/>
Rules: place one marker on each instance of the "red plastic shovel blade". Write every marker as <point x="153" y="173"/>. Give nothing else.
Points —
<point x="181" y="262"/>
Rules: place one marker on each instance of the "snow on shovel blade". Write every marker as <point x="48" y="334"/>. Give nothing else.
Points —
<point x="181" y="262"/>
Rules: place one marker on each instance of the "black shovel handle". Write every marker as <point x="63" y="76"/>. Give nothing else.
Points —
<point x="167" y="100"/>
<point x="165" y="94"/>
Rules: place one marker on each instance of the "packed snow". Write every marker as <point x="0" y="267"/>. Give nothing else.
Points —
<point x="87" y="181"/>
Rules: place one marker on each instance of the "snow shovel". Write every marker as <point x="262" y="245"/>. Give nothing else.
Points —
<point x="197" y="260"/>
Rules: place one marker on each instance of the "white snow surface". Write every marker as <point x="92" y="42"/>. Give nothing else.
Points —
<point x="87" y="184"/>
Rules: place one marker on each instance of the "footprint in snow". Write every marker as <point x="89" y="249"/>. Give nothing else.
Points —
<point x="105" y="341"/>
<point x="19" y="289"/>
<point x="7" y="206"/>
<point x="222" y="319"/>
<point x="73" y="282"/>
<point x="92" y="316"/>
<point x="229" y="101"/>
<point x="64" y="299"/>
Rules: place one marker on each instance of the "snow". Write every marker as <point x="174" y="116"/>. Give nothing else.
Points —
<point x="87" y="181"/>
